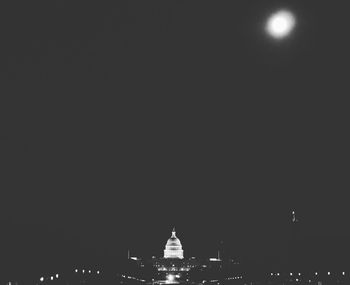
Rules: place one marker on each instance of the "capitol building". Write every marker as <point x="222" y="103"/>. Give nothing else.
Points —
<point x="173" y="247"/>
<point x="173" y="267"/>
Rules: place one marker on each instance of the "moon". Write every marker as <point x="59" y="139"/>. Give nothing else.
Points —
<point x="280" y="24"/>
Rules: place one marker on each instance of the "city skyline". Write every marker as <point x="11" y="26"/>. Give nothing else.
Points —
<point x="120" y="120"/>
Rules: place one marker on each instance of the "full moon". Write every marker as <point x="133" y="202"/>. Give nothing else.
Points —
<point x="280" y="24"/>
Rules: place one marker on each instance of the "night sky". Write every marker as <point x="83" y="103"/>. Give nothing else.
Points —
<point x="122" y="119"/>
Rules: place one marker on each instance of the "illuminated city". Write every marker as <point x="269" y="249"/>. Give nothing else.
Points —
<point x="174" y="142"/>
<point x="173" y="267"/>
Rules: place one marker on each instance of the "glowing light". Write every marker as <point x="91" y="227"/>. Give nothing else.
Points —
<point x="98" y="272"/>
<point x="76" y="270"/>
<point x="83" y="271"/>
<point x="57" y="275"/>
<point x="343" y="273"/>
<point x="41" y="279"/>
<point x="280" y="24"/>
<point x="170" y="278"/>
<point x="89" y="271"/>
<point x="329" y="273"/>
<point x="51" y="278"/>
<point x="291" y="274"/>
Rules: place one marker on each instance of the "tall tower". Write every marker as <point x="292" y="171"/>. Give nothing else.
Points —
<point x="221" y="250"/>
<point x="293" y="252"/>
<point x="294" y="217"/>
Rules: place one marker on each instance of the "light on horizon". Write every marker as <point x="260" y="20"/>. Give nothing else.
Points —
<point x="170" y="278"/>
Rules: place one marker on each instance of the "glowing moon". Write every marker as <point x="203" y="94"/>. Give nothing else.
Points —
<point x="280" y="24"/>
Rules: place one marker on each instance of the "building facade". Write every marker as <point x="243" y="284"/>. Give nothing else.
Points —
<point x="173" y="267"/>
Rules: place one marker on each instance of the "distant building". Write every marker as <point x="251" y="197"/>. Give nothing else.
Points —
<point x="174" y="267"/>
<point x="173" y="248"/>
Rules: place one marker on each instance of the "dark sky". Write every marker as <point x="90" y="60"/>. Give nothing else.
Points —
<point x="122" y="119"/>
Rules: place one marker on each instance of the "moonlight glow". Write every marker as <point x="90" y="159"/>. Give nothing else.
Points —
<point x="280" y="24"/>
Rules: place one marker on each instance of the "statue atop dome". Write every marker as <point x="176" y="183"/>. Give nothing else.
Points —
<point x="173" y="247"/>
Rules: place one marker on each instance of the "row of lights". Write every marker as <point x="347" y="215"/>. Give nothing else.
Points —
<point x="42" y="279"/>
<point x="86" y="271"/>
<point x="237" y="277"/>
<point x="134" y="278"/>
<point x="299" y="274"/>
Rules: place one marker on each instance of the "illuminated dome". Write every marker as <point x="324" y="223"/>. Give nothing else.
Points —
<point x="173" y="247"/>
